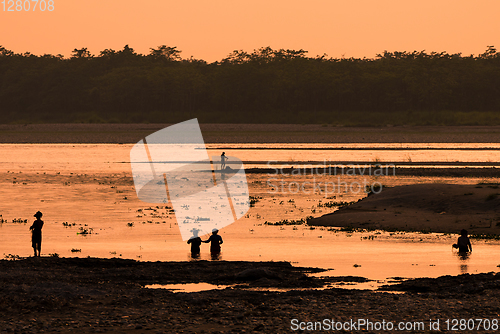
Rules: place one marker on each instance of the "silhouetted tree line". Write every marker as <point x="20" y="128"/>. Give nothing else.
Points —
<point x="268" y="86"/>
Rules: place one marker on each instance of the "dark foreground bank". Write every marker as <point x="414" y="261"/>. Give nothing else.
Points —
<point x="108" y="295"/>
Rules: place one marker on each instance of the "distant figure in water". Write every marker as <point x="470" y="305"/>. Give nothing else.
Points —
<point x="223" y="159"/>
<point x="215" y="242"/>
<point x="36" y="233"/>
<point x="463" y="243"/>
<point x="195" y="242"/>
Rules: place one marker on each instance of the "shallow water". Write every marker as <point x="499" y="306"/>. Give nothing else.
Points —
<point x="186" y="287"/>
<point x="278" y="155"/>
<point x="91" y="187"/>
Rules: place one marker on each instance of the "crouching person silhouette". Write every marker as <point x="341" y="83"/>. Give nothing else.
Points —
<point x="36" y="233"/>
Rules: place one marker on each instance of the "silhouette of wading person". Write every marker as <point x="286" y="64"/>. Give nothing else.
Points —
<point x="195" y="242"/>
<point x="215" y="242"/>
<point x="36" y="233"/>
<point x="463" y="242"/>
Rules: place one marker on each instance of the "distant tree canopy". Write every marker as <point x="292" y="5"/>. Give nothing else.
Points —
<point x="265" y="86"/>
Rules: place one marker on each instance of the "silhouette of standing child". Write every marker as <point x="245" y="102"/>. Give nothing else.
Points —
<point x="215" y="242"/>
<point x="463" y="242"/>
<point x="36" y="233"/>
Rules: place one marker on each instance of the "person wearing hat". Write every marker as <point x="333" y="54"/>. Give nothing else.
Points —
<point x="195" y="242"/>
<point x="36" y="233"/>
<point x="215" y="242"/>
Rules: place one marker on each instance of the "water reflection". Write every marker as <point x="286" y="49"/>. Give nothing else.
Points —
<point x="193" y="256"/>
<point x="186" y="287"/>
<point x="96" y="177"/>
<point x="463" y="258"/>
<point x="216" y="256"/>
<point x="206" y="257"/>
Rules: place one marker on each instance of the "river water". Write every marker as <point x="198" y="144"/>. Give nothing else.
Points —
<point x="90" y="208"/>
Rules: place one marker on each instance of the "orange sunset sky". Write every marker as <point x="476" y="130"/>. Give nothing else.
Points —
<point x="211" y="29"/>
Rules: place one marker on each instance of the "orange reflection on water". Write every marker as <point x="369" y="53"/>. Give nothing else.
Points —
<point x="89" y="188"/>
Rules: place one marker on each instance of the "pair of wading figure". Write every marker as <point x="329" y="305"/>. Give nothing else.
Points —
<point x="215" y="242"/>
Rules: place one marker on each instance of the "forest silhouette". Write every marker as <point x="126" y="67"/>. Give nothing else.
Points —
<point x="264" y="86"/>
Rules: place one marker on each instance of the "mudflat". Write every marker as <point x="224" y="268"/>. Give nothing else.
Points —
<point x="250" y="133"/>
<point x="434" y="207"/>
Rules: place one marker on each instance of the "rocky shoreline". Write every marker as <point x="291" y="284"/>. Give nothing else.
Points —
<point x="107" y="295"/>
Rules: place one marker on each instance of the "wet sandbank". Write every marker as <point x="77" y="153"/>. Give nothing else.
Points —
<point x="434" y="207"/>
